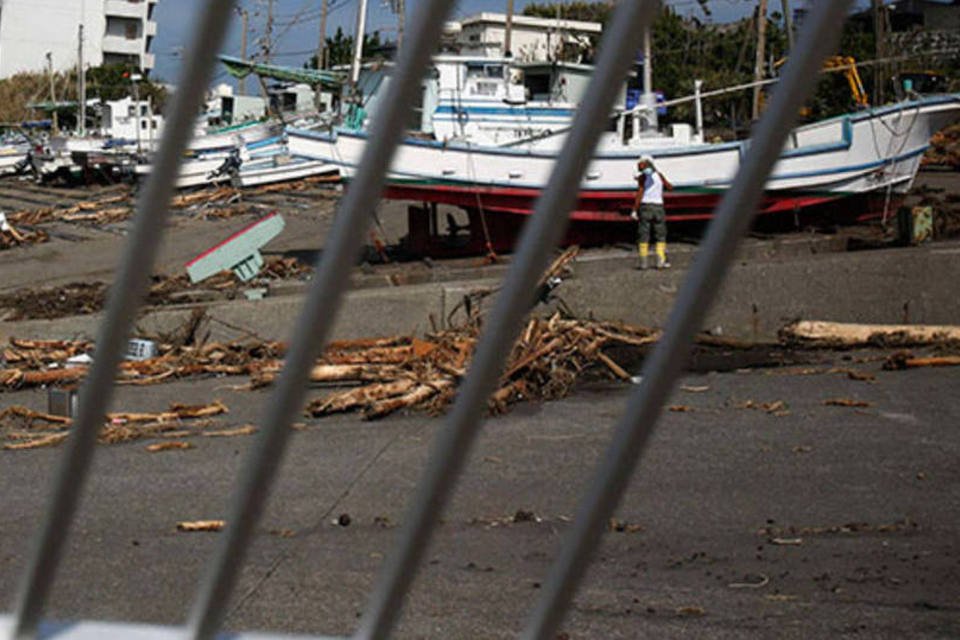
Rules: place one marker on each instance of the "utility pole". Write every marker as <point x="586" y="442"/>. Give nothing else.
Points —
<point x="761" y="55"/>
<point x="508" y="31"/>
<point x="53" y="93"/>
<point x="788" y="22"/>
<point x="244" y="28"/>
<point x="268" y="36"/>
<point x="358" y="42"/>
<point x="400" y="7"/>
<point x="322" y="49"/>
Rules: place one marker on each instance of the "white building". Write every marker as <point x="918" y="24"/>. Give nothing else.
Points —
<point x="531" y="39"/>
<point x="115" y="31"/>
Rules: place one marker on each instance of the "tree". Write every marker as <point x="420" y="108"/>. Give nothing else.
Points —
<point x="340" y="48"/>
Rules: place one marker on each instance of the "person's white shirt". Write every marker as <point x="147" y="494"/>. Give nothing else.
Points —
<point x="652" y="188"/>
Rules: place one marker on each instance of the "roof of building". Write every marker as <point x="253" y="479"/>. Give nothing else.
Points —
<point x="531" y="21"/>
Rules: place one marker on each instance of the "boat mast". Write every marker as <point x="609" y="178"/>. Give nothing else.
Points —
<point x="268" y="47"/>
<point x="358" y="42"/>
<point x="649" y="99"/>
<point x="508" y="30"/>
<point x="81" y="77"/>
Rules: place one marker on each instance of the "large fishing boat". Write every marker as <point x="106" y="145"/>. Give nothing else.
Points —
<point x="855" y="166"/>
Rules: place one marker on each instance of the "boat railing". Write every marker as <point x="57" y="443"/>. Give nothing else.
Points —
<point x="453" y="442"/>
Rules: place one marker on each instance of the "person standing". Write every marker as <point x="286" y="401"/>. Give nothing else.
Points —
<point x="648" y="209"/>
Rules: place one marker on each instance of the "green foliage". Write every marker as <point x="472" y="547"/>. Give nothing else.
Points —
<point x="577" y="10"/>
<point x="340" y="48"/>
<point x="112" y="82"/>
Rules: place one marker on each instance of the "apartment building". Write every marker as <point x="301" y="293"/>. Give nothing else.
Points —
<point x="35" y="33"/>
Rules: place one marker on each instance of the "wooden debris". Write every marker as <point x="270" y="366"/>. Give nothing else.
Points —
<point x="50" y="440"/>
<point x="903" y="360"/>
<point x="838" y="334"/>
<point x="846" y="402"/>
<point x="201" y="525"/>
<point x="177" y="445"/>
<point x="245" y="430"/>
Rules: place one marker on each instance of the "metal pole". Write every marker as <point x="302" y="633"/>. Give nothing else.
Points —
<point x="136" y="101"/>
<point x="508" y="31"/>
<point x="322" y="49"/>
<point x="662" y="368"/>
<point x="761" y="55"/>
<point x="697" y="87"/>
<point x="358" y="42"/>
<point x="125" y="295"/>
<point x="540" y="236"/>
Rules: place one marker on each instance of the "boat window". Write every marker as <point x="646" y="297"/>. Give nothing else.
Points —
<point x="493" y="71"/>
<point x="486" y="88"/>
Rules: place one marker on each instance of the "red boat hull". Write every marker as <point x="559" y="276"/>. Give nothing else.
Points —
<point x="496" y="215"/>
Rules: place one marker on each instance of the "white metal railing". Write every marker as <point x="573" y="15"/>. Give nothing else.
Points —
<point x="450" y="450"/>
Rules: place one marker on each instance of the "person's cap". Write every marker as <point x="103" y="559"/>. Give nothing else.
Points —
<point x="646" y="158"/>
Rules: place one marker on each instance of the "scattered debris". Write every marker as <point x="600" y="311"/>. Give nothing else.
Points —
<point x="749" y="583"/>
<point x="899" y="526"/>
<point x="176" y="445"/>
<point x="786" y="542"/>
<point x="905" y="360"/>
<point x="201" y="525"/>
<point x="11" y="237"/>
<point x="838" y="334"/>
<point x="846" y="402"/>
<point x="776" y="408"/>
<point x="692" y="611"/>
<point x="622" y="526"/>
<point x="27" y="429"/>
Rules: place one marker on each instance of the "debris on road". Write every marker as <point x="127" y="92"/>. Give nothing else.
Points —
<point x="11" y="237"/>
<point x="846" y="402"/>
<point x="899" y="526"/>
<point x="849" y="335"/>
<point x="201" y="525"/>
<point x="176" y="445"/>
<point x="549" y="358"/>
<point x="905" y="360"/>
<point x="24" y="428"/>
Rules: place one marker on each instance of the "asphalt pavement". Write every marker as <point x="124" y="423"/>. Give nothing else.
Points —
<point x="757" y="512"/>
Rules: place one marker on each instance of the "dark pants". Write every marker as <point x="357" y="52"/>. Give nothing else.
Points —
<point x="652" y="218"/>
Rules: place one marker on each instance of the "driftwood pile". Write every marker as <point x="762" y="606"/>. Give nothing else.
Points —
<point x="550" y="357"/>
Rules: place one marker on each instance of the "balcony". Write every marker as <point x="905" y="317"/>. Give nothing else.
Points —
<point x="150" y="28"/>
<point x="125" y="8"/>
<point x="122" y="45"/>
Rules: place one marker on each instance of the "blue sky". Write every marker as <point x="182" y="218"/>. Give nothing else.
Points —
<point x="297" y="24"/>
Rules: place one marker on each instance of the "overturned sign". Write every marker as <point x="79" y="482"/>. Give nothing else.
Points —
<point x="239" y="253"/>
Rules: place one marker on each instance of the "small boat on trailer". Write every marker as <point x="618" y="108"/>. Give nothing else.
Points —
<point x="848" y="168"/>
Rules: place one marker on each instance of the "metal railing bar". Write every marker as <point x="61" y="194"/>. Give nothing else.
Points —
<point x="125" y="296"/>
<point x="97" y="630"/>
<point x="316" y="319"/>
<point x="539" y="238"/>
<point x="732" y="220"/>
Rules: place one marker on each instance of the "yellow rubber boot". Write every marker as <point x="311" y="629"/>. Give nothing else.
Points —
<point x="662" y="256"/>
<point x="644" y="249"/>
